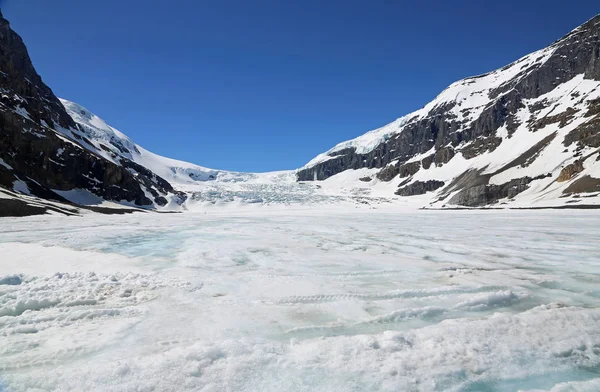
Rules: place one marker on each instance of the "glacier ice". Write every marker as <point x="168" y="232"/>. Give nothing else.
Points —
<point x="303" y="300"/>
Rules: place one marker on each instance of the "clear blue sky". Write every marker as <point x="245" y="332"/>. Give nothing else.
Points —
<point x="268" y="84"/>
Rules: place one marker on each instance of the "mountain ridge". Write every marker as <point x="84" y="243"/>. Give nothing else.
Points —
<point x="524" y="135"/>
<point x="41" y="150"/>
<point x="472" y="117"/>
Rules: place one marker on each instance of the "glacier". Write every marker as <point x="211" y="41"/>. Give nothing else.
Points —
<point x="301" y="299"/>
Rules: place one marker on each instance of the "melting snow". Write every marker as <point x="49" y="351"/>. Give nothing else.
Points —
<point x="301" y="300"/>
<point x="80" y="196"/>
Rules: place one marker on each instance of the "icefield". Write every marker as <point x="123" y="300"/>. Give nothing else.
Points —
<point x="301" y="300"/>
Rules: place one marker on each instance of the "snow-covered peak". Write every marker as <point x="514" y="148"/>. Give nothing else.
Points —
<point x="82" y="115"/>
<point x="195" y="186"/>
<point x="364" y="143"/>
<point x="112" y="144"/>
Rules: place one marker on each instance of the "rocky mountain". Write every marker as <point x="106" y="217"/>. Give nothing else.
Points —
<point x="193" y="184"/>
<point x="45" y="153"/>
<point x="526" y="133"/>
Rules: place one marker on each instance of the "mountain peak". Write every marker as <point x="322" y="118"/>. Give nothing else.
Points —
<point x="489" y="138"/>
<point x="4" y="22"/>
<point x="527" y="134"/>
<point x="595" y="21"/>
<point x="587" y="28"/>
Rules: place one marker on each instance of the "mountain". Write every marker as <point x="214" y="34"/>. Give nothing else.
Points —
<point x="527" y="134"/>
<point x="45" y="153"/>
<point x="57" y="156"/>
<point x="192" y="183"/>
<point x="198" y="187"/>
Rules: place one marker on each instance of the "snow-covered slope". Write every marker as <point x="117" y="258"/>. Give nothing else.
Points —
<point x="526" y="134"/>
<point x="468" y="99"/>
<point x="198" y="187"/>
<point x="302" y="302"/>
<point x="36" y="159"/>
<point x="115" y="145"/>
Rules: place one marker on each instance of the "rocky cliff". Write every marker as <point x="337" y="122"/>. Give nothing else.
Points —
<point x="491" y="137"/>
<point x="43" y="152"/>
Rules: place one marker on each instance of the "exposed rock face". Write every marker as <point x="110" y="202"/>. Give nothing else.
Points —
<point x="585" y="184"/>
<point x="33" y="146"/>
<point x="480" y="146"/>
<point x="43" y="157"/>
<point x="443" y="155"/>
<point x="477" y="116"/>
<point x="22" y="86"/>
<point x="420" y="188"/>
<point x="481" y="195"/>
<point x="18" y="208"/>
<point x="561" y="119"/>
<point x="388" y="173"/>
<point x="570" y="171"/>
<point x="585" y="135"/>
<point x="409" y="169"/>
<point x="406" y="170"/>
<point x="512" y="126"/>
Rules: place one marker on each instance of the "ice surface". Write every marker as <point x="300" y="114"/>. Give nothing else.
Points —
<point x="301" y="300"/>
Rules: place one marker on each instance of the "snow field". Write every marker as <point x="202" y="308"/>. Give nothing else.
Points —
<point x="301" y="300"/>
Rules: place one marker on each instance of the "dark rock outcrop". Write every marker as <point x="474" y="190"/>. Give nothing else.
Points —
<point x="485" y="194"/>
<point x="388" y="173"/>
<point x="585" y="184"/>
<point x="443" y="155"/>
<point x="34" y="148"/>
<point x="480" y="145"/>
<point x="585" y="135"/>
<point x="409" y="169"/>
<point x="426" y="162"/>
<point x="18" y="208"/>
<point x="420" y="188"/>
<point x="562" y="119"/>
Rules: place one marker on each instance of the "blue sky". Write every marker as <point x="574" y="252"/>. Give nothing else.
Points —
<point x="266" y="85"/>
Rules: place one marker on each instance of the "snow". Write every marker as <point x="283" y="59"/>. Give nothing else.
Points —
<point x="80" y="196"/>
<point x="471" y="93"/>
<point x="21" y="187"/>
<point x="575" y="93"/>
<point x="21" y="111"/>
<point x="301" y="299"/>
<point x="100" y="133"/>
<point x="574" y="386"/>
<point x="5" y="165"/>
<point x="463" y="102"/>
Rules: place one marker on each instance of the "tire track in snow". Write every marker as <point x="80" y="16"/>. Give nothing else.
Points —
<point x="412" y="293"/>
<point x="480" y="302"/>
